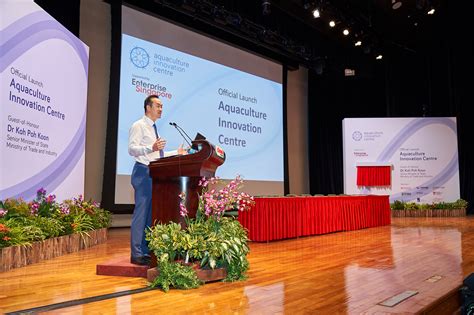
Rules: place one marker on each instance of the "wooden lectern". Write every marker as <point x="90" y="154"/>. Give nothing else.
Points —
<point x="176" y="174"/>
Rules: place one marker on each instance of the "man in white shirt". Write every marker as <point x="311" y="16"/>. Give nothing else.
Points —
<point x="145" y="145"/>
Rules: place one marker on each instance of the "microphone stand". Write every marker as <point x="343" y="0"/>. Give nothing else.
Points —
<point x="177" y="128"/>
<point x="184" y="132"/>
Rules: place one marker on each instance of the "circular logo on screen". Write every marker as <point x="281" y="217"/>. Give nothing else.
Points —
<point x="357" y="135"/>
<point x="139" y="57"/>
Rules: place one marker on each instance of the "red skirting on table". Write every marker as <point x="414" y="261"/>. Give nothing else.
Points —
<point x="288" y="217"/>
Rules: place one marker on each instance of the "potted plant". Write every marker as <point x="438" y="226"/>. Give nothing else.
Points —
<point x="210" y="246"/>
<point x="440" y="209"/>
<point x="43" y="228"/>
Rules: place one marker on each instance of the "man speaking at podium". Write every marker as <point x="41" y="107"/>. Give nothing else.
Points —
<point x="145" y="145"/>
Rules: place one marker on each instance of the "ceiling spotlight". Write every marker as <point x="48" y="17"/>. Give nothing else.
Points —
<point x="379" y="57"/>
<point x="431" y="11"/>
<point x="345" y="32"/>
<point x="319" y="66"/>
<point x="396" y="4"/>
<point x="316" y="13"/>
<point x="332" y="23"/>
<point x="420" y="4"/>
<point x="358" y="43"/>
<point x="266" y="7"/>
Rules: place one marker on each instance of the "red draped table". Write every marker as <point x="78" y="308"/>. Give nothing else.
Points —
<point x="277" y="218"/>
<point x="373" y="175"/>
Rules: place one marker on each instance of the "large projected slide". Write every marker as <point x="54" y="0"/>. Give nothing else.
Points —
<point x="43" y="85"/>
<point x="237" y="108"/>
<point x="422" y="154"/>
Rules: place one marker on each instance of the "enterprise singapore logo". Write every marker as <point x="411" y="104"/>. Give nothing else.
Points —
<point x="144" y="86"/>
<point x="357" y="135"/>
<point x="139" y="57"/>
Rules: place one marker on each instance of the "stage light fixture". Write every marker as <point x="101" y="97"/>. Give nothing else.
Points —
<point x="349" y="72"/>
<point x="319" y="65"/>
<point x="316" y="13"/>
<point x="358" y="43"/>
<point x="266" y="7"/>
<point x="431" y="11"/>
<point x="379" y="57"/>
<point x="420" y="4"/>
<point x="396" y="4"/>
<point x="345" y="32"/>
<point x="332" y="23"/>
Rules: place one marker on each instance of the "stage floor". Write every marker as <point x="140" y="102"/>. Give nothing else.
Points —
<point x="338" y="273"/>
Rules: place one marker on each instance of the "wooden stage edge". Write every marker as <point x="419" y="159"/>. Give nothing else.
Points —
<point x="339" y="273"/>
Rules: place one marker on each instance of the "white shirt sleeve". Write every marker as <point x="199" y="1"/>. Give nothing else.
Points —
<point x="135" y="136"/>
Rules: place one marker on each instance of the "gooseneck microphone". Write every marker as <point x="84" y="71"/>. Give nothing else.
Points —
<point x="179" y="127"/>
<point x="181" y="133"/>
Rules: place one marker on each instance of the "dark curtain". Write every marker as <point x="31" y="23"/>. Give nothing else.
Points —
<point x="330" y="101"/>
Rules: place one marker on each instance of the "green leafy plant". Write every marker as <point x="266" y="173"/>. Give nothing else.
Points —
<point x="26" y="222"/>
<point x="44" y="206"/>
<point x="460" y="204"/>
<point x="234" y="249"/>
<point x="176" y="275"/>
<point x="397" y="205"/>
<point x="5" y="235"/>
<point x="211" y="240"/>
<point x="166" y="241"/>
<point x="411" y="206"/>
<point x="400" y="205"/>
<point x="19" y="232"/>
<point x="10" y="208"/>
<point x="50" y="227"/>
<point x="442" y="205"/>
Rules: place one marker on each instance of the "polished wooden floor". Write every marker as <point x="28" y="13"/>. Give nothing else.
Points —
<point x="339" y="273"/>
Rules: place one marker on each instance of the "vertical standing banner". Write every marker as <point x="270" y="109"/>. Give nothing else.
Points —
<point x="422" y="154"/>
<point x="43" y="96"/>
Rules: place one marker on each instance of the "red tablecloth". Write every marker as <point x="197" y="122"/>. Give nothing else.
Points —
<point x="288" y="217"/>
<point x="373" y="175"/>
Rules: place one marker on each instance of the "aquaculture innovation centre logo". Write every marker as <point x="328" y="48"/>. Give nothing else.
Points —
<point x="139" y="57"/>
<point x="357" y="135"/>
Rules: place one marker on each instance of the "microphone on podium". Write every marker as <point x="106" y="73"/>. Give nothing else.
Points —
<point x="181" y="130"/>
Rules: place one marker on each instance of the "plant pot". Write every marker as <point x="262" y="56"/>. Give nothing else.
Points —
<point x="19" y="256"/>
<point x="209" y="275"/>
<point x="429" y="213"/>
<point x="205" y="275"/>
